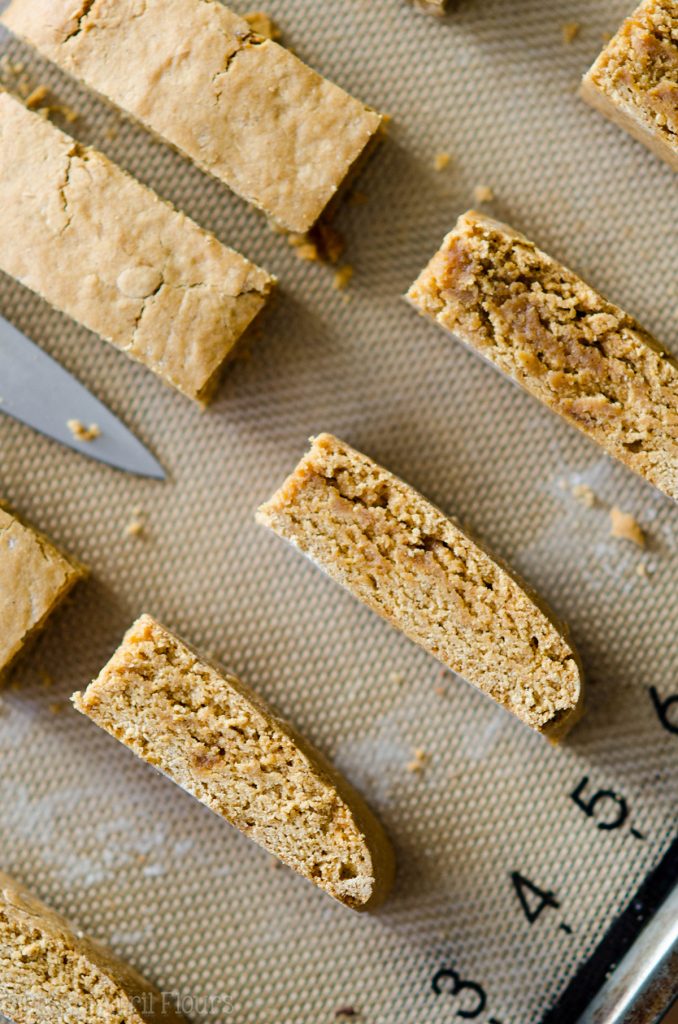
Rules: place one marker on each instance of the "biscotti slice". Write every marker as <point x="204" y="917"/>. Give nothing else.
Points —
<point x="417" y="569"/>
<point x="634" y="82"/>
<point x="219" y="741"/>
<point x="240" y="106"/>
<point x="34" y="579"/>
<point x="51" y="974"/>
<point x="101" y="247"/>
<point x="563" y="342"/>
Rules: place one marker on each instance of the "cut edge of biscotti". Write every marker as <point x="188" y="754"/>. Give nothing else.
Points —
<point x="651" y="453"/>
<point x="72" y="569"/>
<point x="601" y="95"/>
<point x="48" y="969"/>
<point x="218" y="740"/>
<point x="415" y="567"/>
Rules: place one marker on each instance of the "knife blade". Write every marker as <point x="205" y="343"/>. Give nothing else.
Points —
<point x="37" y="391"/>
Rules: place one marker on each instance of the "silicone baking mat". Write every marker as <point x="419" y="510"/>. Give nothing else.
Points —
<point x="509" y="869"/>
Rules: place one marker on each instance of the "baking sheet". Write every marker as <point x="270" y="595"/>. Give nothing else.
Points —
<point x="140" y="865"/>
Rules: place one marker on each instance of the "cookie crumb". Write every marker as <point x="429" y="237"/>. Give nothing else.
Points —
<point x="82" y="433"/>
<point x="330" y="243"/>
<point x="57" y="707"/>
<point x="440" y="691"/>
<point x="346" y="1011"/>
<point x="570" y="31"/>
<point x="483" y="194"/>
<point x="303" y="247"/>
<point x="37" y="96"/>
<point x="263" y="25"/>
<point x="343" y="276"/>
<point x="418" y="761"/>
<point x="642" y="571"/>
<point x="397" y="678"/>
<point x="441" y="161"/>
<point x="625" y="527"/>
<point x="584" y="494"/>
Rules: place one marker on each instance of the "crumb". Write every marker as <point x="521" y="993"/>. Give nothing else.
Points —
<point x="440" y="691"/>
<point x="329" y="241"/>
<point x="358" y="199"/>
<point x="397" y="678"/>
<point x="57" y="707"/>
<point x="584" y="494"/>
<point x="66" y="112"/>
<point x="642" y="571"/>
<point x="343" y="277"/>
<point x="47" y="679"/>
<point x="142" y="858"/>
<point x="82" y="433"/>
<point x="303" y="246"/>
<point x="36" y="97"/>
<point x="483" y="194"/>
<point x="346" y="1011"/>
<point x="263" y="25"/>
<point x="441" y="161"/>
<point x="625" y="527"/>
<point x="418" y="761"/>
<point x="570" y="30"/>
<point x="134" y="528"/>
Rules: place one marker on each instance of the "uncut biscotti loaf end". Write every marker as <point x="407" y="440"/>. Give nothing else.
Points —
<point x="104" y="249"/>
<point x="416" y="568"/>
<point x="242" y="107"/>
<point x="49" y="974"/>
<point x="634" y="81"/>
<point x="547" y="330"/>
<point x="35" y="578"/>
<point x="220" y="742"/>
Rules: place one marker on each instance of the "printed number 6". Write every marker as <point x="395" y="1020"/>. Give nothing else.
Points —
<point x="458" y="986"/>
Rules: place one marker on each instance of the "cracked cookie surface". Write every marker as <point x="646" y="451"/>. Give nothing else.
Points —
<point x="215" y="738"/>
<point x="417" y="569"/>
<point x="240" y="106"/>
<point x="101" y="247"/>
<point x="546" y="329"/>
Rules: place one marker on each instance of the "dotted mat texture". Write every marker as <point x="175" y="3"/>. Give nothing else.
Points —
<point x="490" y="817"/>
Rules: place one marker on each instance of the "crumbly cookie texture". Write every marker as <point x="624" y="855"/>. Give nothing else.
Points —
<point x="52" y="975"/>
<point x="214" y="737"/>
<point x="547" y="330"/>
<point x="34" y="579"/>
<point x="634" y="82"/>
<point x="101" y="247"/>
<point x="417" y="569"/>
<point x="240" y="106"/>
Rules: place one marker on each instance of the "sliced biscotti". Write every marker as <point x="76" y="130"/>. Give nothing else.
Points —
<point x="240" y="106"/>
<point x="214" y="737"/>
<point x="34" y="579"/>
<point x="49" y="974"/>
<point x="101" y="247"/>
<point x="547" y="330"/>
<point x="407" y="561"/>
<point x="634" y="82"/>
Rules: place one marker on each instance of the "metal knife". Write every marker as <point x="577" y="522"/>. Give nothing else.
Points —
<point x="36" y="390"/>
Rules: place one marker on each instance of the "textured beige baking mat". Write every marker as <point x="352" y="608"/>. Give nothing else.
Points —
<point x="488" y="836"/>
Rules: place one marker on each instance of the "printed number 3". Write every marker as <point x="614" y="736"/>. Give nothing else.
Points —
<point x="455" y="987"/>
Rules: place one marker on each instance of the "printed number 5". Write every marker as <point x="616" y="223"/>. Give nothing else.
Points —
<point x="455" y="987"/>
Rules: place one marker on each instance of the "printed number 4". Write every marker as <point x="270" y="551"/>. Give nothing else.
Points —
<point x="533" y="900"/>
